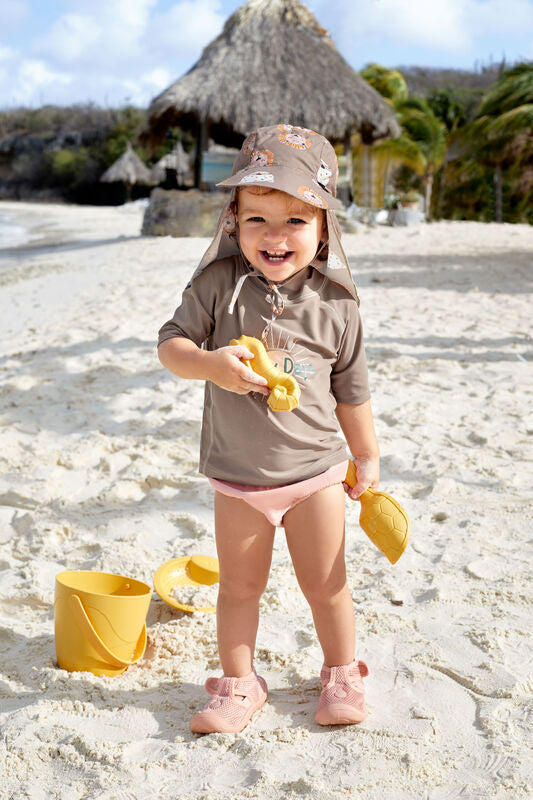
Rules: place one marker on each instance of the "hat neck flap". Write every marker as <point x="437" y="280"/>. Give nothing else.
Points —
<point x="225" y="244"/>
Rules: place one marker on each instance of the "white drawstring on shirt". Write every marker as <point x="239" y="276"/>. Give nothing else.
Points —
<point x="234" y="296"/>
<point x="274" y="298"/>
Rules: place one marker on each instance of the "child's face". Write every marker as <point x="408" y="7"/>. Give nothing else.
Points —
<point x="278" y="234"/>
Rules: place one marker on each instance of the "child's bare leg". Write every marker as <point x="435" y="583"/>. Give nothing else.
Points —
<point x="315" y="537"/>
<point x="244" y="540"/>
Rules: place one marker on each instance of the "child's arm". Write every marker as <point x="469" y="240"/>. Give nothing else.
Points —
<point x="185" y="359"/>
<point x="357" y="424"/>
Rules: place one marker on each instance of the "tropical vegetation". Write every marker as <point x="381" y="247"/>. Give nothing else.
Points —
<point x="470" y="154"/>
<point x="61" y="152"/>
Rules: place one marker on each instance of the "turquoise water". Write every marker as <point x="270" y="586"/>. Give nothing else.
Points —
<point x="12" y="232"/>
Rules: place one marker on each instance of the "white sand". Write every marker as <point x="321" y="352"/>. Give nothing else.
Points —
<point x="98" y="469"/>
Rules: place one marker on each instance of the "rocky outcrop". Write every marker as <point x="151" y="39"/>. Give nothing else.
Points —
<point x="188" y="213"/>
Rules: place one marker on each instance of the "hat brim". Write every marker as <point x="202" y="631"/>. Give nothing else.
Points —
<point x="293" y="182"/>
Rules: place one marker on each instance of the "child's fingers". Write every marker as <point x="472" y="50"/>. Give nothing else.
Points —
<point x="240" y="351"/>
<point x="252" y="377"/>
<point x="248" y="374"/>
<point x="354" y="492"/>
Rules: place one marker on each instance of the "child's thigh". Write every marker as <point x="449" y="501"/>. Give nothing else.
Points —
<point x="244" y="539"/>
<point x="315" y="536"/>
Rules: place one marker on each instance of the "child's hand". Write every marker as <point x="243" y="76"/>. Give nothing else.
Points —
<point x="227" y="371"/>
<point x="367" y="470"/>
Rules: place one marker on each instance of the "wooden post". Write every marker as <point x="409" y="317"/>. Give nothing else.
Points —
<point x="349" y="166"/>
<point x="201" y="146"/>
<point x="366" y="175"/>
<point x="498" y="194"/>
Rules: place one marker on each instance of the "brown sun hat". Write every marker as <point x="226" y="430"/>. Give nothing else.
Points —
<point x="301" y="163"/>
<point x="297" y="161"/>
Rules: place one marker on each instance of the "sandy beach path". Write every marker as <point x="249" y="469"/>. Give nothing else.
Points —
<point x="98" y="470"/>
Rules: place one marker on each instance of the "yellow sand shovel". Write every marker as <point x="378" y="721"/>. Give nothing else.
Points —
<point x="382" y="518"/>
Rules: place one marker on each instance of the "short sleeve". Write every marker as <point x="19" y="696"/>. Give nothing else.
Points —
<point x="194" y="317"/>
<point x="349" y="374"/>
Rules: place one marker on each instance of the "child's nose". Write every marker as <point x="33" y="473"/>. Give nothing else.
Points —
<point x="275" y="234"/>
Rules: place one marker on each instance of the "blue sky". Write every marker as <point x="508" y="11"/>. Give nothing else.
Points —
<point x="116" y="51"/>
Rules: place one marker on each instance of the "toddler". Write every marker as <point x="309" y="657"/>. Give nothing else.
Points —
<point x="276" y="270"/>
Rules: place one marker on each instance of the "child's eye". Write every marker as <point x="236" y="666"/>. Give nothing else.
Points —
<point x="297" y="221"/>
<point x="255" y="219"/>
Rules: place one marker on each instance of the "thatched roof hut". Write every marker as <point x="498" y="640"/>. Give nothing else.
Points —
<point x="177" y="160"/>
<point x="128" y="169"/>
<point x="272" y="62"/>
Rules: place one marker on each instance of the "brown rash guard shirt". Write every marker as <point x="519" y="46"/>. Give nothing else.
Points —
<point x="317" y="338"/>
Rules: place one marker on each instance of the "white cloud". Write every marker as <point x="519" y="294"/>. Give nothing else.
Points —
<point x="122" y="49"/>
<point x="187" y="27"/>
<point x="71" y="38"/>
<point x="36" y="74"/>
<point x="29" y="82"/>
<point x="447" y="26"/>
<point x="97" y="33"/>
<point x="157" y="79"/>
<point x="436" y="24"/>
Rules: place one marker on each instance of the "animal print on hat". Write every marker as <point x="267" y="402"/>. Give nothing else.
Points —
<point x="265" y="177"/>
<point x="295" y="140"/>
<point x="248" y="144"/>
<point x="311" y="197"/>
<point x="284" y="128"/>
<point x="334" y="261"/>
<point x="229" y="223"/>
<point x="324" y="174"/>
<point x="262" y="158"/>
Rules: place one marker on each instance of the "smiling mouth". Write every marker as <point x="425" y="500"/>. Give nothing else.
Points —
<point x="276" y="256"/>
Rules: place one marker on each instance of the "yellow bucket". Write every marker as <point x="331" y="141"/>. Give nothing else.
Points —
<point x="100" y="621"/>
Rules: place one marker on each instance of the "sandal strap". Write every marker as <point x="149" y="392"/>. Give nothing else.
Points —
<point x="226" y="686"/>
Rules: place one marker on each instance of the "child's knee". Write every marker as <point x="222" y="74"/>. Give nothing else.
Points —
<point x="241" y="589"/>
<point x="324" y="589"/>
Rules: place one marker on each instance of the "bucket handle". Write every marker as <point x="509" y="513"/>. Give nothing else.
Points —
<point x="103" y="651"/>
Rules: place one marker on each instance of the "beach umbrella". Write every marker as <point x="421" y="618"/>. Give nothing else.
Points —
<point x="273" y="62"/>
<point x="177" y="160"/>
<point x="127" y="169"/>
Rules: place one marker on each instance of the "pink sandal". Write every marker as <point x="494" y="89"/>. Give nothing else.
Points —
<point x="233" y="703"/>
<point x="342" y="701"/>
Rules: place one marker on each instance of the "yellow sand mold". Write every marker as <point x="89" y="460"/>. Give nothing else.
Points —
<point x="284" y="390"/>
<point x="383" y="519"/>
<point x="188" y="570"/>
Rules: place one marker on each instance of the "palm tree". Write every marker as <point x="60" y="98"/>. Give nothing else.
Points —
<point x="428" y="133"/>
<point x="422" y="145"/>
<point x="390" y="83"/>
<point x="501" y="135"/>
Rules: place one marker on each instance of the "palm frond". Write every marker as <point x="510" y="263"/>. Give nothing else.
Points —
<point x="513" y="121"/>
<point x="515" y="88"/>
<point x="404" y="150"/>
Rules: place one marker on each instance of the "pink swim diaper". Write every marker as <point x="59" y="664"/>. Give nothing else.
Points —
<point x="275" y="501"/>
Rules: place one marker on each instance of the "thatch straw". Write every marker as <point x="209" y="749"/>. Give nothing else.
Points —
<point x="273" y="62"/>
<point x="128" y="169"/>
